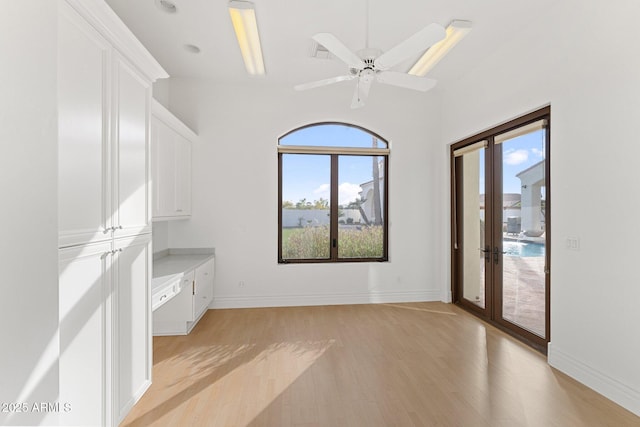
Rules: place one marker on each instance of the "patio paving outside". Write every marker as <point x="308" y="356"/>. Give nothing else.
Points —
<point x="523" y="299"/>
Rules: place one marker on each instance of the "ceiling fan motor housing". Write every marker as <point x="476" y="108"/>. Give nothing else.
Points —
<point x="369" y="64"/>
<point x="367" y="74"/>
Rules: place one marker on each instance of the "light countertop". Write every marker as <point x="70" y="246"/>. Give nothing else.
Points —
<point x="171" y="264"/>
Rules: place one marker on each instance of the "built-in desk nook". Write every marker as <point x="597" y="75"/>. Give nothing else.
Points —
<point x="181" y="289"/>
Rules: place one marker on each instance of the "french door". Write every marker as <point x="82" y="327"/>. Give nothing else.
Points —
<point x="500" y="226"/>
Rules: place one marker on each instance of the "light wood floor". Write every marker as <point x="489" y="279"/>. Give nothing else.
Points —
<point x="420" y="364"/>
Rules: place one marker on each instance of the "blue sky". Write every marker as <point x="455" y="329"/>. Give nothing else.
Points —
<point x="308" y="176"/>
<point x="331" y="135"/>
<point x="518" y="154"/>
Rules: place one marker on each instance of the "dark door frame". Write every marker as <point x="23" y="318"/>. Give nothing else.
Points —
<point x="493" y="218"/>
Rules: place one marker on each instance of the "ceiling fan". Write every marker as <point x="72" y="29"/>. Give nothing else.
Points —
<point x="369" y="64"/>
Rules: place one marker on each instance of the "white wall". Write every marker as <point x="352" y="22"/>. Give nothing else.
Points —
<point x="235" y="173"/>
<point x="160" y="236"/>
<point x="581" y="57"/>
<point x="28" y="185"/>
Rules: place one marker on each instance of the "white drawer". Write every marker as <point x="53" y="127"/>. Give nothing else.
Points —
<point x="187" y="280"/>
<point x="164" y="294"/>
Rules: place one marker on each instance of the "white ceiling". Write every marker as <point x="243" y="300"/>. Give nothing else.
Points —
<point x="286" y="27"/>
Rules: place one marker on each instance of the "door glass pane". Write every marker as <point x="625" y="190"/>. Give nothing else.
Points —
<point x="473" y="226"/>
<point x="523" y="242"/>
<point x="305" y="206"/>
<point x="361" y="212"/>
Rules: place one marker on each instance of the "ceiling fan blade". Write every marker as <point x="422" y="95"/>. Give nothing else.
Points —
<point x="320" y="83"/>
<point x="361" y="93"/>
<point x="338" y="49"/>
<point x="415" y="44"/>
<point x="408" y="81"/>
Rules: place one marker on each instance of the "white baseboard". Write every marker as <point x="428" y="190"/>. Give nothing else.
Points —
<point x="175" y="327"/>
<point x="169" y="328"/>
<point x="256" y="301"/>
<point x="447" y="296"/>
<point x="136" y="397"/>
<point x="611" y="388"/>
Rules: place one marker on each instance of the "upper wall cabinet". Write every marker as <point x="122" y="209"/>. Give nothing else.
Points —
<point x="170" y="165"/>
<point x="84" y="75"/>
<point x="130" y="155"/>
<point x="104" y="119"/>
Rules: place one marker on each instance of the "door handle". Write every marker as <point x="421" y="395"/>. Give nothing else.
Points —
<point x="496" y="254"/>
<point x="487" y="253"/>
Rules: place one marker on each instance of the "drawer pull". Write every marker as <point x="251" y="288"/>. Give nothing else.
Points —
<point x="163" y="297"/>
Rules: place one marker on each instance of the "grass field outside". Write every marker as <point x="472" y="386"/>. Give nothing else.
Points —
<point x="314" y="242"/>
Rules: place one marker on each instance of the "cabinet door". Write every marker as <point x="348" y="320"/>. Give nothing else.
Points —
<point x="164" y="170"/>
<point x="203" y="288"/>
<point x="131" y="150"/>
<point x="183" y="176"/>
<point x="171" y="158"/>
<point x="172" y="317"/>
<point x="83" y="84"/>
<point x="132" y="321"/>
<point x="85" y="318"/>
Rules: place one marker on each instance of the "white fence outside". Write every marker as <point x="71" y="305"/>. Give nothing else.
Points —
<point x="315" y="217"/>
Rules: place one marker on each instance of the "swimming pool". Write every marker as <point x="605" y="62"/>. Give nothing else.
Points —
<point x="523" y="249"/>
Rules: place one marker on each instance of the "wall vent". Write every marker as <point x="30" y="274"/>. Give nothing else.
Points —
<point x="320" y="52"/>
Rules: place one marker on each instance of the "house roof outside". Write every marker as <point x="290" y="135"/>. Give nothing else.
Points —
<point x="509" y="201"/>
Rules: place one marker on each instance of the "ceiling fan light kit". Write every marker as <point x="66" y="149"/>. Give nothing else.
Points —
<point x="166" y="6"/>
<point x="245" y="25"/>
<point x="369" y="65"/>
<point x="455" y="32"/>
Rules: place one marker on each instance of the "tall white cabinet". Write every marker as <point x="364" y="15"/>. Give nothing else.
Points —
<point x="104" y="214"/>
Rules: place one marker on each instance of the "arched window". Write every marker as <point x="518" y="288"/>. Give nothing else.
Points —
<point x="332" y="194"/>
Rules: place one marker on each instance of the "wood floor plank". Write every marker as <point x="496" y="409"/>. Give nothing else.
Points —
<point x="418" y="364"/>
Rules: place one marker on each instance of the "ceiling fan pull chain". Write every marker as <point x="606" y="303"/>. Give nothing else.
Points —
<point x="366" y="24"/>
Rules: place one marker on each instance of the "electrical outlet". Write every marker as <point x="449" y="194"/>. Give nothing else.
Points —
<point x="241" y="284"/>
<point x="573" y="243"/>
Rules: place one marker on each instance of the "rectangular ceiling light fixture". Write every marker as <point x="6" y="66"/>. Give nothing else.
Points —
<point x="243" y="18"/>
<point x="456" y="30"/>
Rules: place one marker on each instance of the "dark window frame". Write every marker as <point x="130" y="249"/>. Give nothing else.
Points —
<point x="335" y="153"/>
